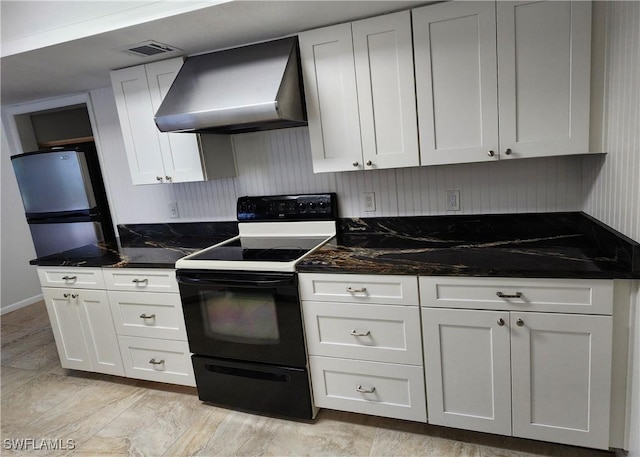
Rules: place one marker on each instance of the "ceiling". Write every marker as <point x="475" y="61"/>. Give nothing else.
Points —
<point x="83" y="64"/>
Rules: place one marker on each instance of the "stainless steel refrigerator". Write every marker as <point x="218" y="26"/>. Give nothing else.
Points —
<point x="64" y="199"/>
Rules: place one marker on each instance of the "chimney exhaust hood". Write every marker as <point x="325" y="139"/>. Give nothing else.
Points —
<point x="246" y="89"/>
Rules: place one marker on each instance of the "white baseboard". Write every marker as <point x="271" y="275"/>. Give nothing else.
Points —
<point x="20" y="304"/>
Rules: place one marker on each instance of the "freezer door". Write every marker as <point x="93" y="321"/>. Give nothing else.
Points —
<point x="54" y="182"/>
<point x="53" y="238"/>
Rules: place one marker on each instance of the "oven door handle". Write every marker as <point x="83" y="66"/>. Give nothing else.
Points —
<point x="234" y="282"/>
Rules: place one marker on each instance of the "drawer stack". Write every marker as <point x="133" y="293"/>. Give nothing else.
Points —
<point x="364" y="343"/>
<point x="147" y="314"/>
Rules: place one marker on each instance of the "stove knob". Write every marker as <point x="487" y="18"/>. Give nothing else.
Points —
<point x="243" y="207"/>
<point x="312" y="205"/>
<point x="302" y="206"/>
<point x="252" y="207"/>
<point x="323" y="204"/>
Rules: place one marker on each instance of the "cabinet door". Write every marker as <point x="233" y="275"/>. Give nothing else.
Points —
<point x="99" y="331"/>
<point x="331" y="97"/>
<point x="561" y="368"/>
<point x="65" y="314"/>
<point x="466" y="356"/>
<point x="386" y="92"/>
<point x="180" y="151"/>
<point x="139" y="131"/>
<point x="456" y="82"/>
<point x="544" y="64"/>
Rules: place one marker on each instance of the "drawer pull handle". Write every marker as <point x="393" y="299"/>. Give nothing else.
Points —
<point x="69" y="278"/>
<point x="520" y="323"/>
<point x="147" y="316"/>
<point x="156" y="362"/>
<point x="74" y="295"/>
<point x="365" y="391"/>
<point x="354" y="332"/>
<point x="351" y="290"/>
<point x="516" y="295"/>
<point x="65" y="295"/>
<point x="501" y="322"/>
<point x="139" y="281"/>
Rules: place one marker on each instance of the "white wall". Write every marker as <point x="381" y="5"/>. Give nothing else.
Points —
<point x="612" y="187"/>
<point x="19" y="285"/>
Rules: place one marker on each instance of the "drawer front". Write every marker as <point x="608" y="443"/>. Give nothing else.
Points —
<point x="370" y="332"/>
<point x="574" y="296"/>
<point x="382" y="289"/>
<point x="157" y="360"/>
<point x="77" y="278"/>
<point x="380" y="389"/>
<point x="148" y="314"/>
<point x="141" y="280"/>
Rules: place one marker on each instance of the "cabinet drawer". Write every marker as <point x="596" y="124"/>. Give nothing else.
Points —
<point x="390" y="390"/>
<point x="77" y="278"/>
<point x="136" y="279"/>
<point x="383" y="289"/>
<point x="157" y="360"/>
<point x="148" y="314"/>
<point x="574" y="296"/>
<point x="371" y="332"/>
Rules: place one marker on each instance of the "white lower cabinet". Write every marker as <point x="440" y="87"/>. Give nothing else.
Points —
<point x="364" y="343"/>
<point x="380" y="389"/>
<point x="147" y="313"/>
<point x="539" y="375"/>
<point x="83" y="330"/>
<point x="157" y="360"/>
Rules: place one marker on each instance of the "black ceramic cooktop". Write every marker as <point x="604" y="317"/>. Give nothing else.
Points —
<point x="261" y="249"/>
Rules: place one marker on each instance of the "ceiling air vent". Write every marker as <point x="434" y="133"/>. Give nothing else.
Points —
<point x="149" y="49"/>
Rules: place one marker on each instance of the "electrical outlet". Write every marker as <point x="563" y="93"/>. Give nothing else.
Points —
<point x="173" y="210"/>
<point x="453" y="200"/>
<point x="369" y="201"/>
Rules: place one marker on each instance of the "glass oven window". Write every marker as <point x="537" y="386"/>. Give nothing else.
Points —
<point x="240" y="317"/>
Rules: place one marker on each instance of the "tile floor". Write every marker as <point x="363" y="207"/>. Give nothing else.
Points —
<point x="108" y="415"/>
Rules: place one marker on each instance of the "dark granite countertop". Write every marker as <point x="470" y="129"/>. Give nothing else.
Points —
<point x="548" y="245"/>
<point x="146" y="246"/>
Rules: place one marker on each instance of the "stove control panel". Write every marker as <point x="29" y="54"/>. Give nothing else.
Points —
<point x="304" y="207"/>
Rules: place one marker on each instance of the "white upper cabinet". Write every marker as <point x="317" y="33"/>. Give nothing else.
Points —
<point x="456" y="82"/>
<point x="544" y="66"/>
<point x="360" y="94"/>
<point x="154" y="156"/>
<point x="521" y="66"/>
<point x="331" y="97"/>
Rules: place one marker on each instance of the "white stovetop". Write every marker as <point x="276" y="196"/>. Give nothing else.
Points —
<point x="326" y="229"/>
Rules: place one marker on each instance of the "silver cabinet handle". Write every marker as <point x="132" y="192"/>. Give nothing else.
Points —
<point x="508" y="152"/>
<point x="520" y="323"/>
<point x="147" y="316"/>
<point x="168" y="178"/>
<point x="74" y="295"/>
<point x="69" y="278"/>
<point x="356" y="163"/>
<point x="365" y="391"/>
<point x="501" y="322"/>
<point x="139" y="281"/>
<point x="156" y="362"/>
<point x="354" y="332"/>
<point x="516" y="295"/>
<point x="351" y="290"/>
<point x="369" y="163"/>
<point x="65" y="295"/>
<point x="159" y="178"/>
<point x="491" y="153"/>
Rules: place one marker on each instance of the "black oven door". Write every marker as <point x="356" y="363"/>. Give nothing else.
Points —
<point x="250" y="316"/>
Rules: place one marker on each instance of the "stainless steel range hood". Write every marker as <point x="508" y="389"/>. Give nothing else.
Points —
<point x="245" y="89"/>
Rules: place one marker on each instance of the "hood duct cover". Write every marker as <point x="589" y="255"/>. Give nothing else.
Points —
<point x="245" y="89"/>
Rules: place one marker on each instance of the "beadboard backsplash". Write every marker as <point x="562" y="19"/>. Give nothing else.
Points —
<point x="279" y="162"/>
<point x="612" y="186"/>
